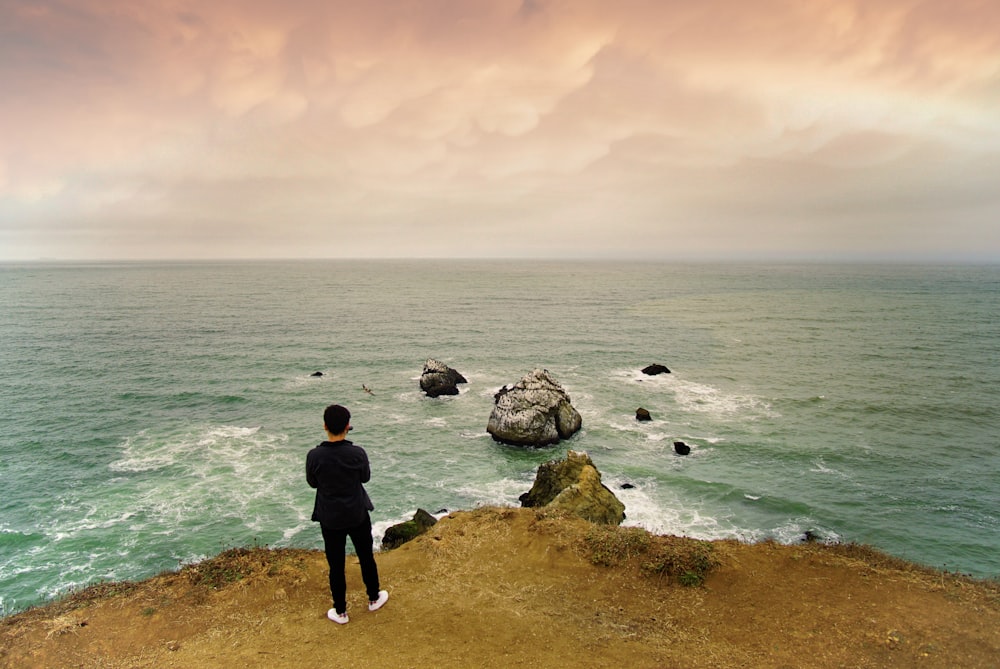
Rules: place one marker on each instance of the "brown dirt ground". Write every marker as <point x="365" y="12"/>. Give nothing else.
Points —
<point x="518" y="588"/>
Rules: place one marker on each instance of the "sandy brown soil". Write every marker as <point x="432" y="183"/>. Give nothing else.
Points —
<point x="518" y="588"/>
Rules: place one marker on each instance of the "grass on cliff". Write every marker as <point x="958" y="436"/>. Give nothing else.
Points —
<point x="680" y="559"/>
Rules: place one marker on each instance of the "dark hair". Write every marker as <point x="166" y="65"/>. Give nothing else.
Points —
<point x="336" y="418"/>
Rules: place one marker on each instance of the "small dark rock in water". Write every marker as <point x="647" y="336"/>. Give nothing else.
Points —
<point x="681" y="448"/>
<point x="440" y="511"/>
<point x="642" y="414"/>
<point x="316" y="374"/>
<point x="439" y="379"/>
<point x="653" y="370"/>
<point x="809" y="537"/>
<point x="627" y="486"/>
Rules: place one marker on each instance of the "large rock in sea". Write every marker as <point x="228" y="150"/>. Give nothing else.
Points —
<point x="399" y="534"/>
<point x="574" y="485"/>
<point x="439" y="379"/>
<point x="653" y="370"/>
<point x="535" y="411"/>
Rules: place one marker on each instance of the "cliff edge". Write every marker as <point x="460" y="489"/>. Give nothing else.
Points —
<point x="505" y="587"/>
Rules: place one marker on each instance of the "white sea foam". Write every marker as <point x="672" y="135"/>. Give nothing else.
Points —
<point x="136" y="460"/>
<point x="794" y="531"/>
<point x="697" y="397"/>
<point x="703" y="398"/>
<point x="302" y="381"/>
<point x="219" y="474"/>
<point x="819" y="467"/>
<point x="468" y="434"/>
<point x="661" y="512"/>
<point x="501" y="492"/>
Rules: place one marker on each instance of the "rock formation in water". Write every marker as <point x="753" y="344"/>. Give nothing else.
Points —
<point x="574" y="485"/>
<point x="653" y="370"/>
<point x="439" y="379"/>
<point x="535" y="411"/>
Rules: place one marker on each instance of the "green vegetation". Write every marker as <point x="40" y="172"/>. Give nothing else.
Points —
<point x="683" y="560"/>
<point x="611" y="546"/>
<point x="229" y="566"/>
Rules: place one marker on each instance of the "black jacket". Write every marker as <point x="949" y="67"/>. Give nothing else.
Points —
<point x="337" y="469"/>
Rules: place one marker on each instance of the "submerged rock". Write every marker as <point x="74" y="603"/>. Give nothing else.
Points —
<point x="535" y="411"/>
<point x="653" y="370"/>
<point x="439" y="379"/>
<point x="574" y="485"/>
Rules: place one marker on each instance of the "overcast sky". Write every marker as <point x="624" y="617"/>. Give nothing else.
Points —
<point x="708" y="129"/>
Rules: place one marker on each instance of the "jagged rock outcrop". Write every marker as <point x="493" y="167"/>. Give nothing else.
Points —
<point x="681" y="448"/>
<point x="399" y="534"/>
<point x="642" y="414"/>
<point x="535" y="411"/>
<point x="439" y="379"/>
<point x="574" y="485"/>
<point x="653" y="370"/>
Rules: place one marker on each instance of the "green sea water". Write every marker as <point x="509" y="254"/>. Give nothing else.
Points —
<point x="154" y="414"/>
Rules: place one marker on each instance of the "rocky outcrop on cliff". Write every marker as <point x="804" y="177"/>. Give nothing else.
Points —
<point x="535" y="411"/>
<point x="439" y="379"/>
<point x="399" y="534"/>
<point x="574" y="485"/>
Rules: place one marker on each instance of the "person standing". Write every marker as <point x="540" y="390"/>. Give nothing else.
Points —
<point x="338" y="470"/>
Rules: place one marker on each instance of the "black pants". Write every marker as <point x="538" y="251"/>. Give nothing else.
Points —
<point x="335" y="542"/>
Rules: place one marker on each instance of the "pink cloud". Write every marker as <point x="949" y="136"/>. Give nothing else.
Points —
<point x="442" y="106"/>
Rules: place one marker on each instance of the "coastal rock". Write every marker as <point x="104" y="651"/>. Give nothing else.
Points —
<point x="399" y="534"/>
<point x="681" y="448"/>
<point x="316" y="374"/>
<point x="535" y="411"/>
<point x="574" y="485"/>
<point x="642" y="414"/>
<point x="653" y="370"/>
<point x="439" y="379"/>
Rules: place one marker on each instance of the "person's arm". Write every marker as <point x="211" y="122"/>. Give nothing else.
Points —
<point x="366" y="470"/>
<point x="310" y="475"/>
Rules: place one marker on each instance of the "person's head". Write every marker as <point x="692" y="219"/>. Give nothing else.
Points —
<point x="337" y="419"/>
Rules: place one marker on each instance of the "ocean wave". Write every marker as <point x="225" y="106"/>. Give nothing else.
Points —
<point x="697" y="397"/>
<point x="703" y="398"/>
<point x="501" y="492"/>
<point x="213" y="475"/>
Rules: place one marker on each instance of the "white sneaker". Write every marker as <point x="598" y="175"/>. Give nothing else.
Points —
<point x="383" y="597"/>
<point x="339" y="618"/>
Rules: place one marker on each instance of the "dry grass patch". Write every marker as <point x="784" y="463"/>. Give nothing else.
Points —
<point x="242" y="565"/>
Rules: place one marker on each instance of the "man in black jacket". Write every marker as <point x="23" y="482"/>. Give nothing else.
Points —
<point x="338" y="469"/>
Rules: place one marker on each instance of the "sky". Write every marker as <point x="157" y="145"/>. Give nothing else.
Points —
<point x="645" y="129"/>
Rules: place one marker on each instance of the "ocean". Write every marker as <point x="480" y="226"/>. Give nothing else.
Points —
<point x="154" y="414"/>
